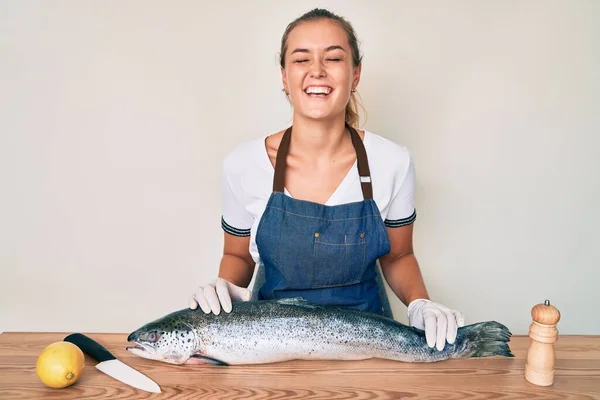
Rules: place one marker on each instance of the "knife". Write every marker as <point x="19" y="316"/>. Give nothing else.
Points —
<point x="109" y="364"/>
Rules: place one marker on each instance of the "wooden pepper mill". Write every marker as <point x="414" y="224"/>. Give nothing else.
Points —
<point x="539" y="368"/>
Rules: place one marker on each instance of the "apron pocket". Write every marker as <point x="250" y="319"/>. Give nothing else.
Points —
<point x="338" y="259"/>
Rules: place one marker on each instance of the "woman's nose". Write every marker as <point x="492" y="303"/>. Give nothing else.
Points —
<point x="317" y="69"/>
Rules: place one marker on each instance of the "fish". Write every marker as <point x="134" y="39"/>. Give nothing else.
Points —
<point x="269" y="331"/>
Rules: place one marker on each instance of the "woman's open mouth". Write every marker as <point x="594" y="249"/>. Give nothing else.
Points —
<point x="318" y="91"/>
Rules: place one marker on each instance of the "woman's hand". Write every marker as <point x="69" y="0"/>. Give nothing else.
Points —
<point x="218" y="294"/>
<point x="439" y="322"/>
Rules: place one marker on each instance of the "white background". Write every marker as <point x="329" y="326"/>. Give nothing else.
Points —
<point x="116" y="115"/>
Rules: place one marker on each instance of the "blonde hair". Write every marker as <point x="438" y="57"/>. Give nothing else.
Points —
<point x="351" y="114"/>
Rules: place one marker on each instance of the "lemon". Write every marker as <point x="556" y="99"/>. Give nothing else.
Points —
<point x="60" y="364"/>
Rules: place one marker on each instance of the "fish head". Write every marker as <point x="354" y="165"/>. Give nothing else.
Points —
<point x="168" y="339"/>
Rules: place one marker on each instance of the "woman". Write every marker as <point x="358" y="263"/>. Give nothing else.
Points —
<point x="318" y="204"/>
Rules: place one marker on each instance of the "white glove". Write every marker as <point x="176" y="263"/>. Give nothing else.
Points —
<point x="213" y="296"/>
<point x="439" y="322"/>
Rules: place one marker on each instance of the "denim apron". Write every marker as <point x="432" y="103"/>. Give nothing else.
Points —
<point x="324" y="254"/>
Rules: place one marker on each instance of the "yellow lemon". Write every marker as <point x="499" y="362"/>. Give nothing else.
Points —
<point x="60" y="364"/>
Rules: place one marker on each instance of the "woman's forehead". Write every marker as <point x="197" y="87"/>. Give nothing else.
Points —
<point x="321" y="35"/>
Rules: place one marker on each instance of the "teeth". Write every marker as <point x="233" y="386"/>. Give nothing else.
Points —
<point x="318" y="90"/>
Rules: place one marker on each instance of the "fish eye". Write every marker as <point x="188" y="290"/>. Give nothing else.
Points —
<point x="152" y="336"/>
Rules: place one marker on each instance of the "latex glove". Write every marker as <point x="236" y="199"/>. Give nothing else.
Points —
<point x="439" y="322"/>
<point x="218" y="294"/>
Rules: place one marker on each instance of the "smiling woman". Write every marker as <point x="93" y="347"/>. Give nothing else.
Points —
<point x="342" y="60"/>
<point x="317" y="205"/>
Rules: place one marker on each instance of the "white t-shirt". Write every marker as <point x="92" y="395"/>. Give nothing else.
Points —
<point x="247" y="184"/>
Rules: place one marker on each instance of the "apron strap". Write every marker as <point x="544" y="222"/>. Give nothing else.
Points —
<point x="282" y="152"/>
<point x="362" y="163"/>
<point x="361" y="158"/>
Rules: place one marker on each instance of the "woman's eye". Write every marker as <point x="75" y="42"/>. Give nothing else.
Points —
<point x="334" y="59"/>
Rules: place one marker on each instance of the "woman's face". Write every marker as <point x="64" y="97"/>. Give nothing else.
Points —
<point x="319" y="74"/>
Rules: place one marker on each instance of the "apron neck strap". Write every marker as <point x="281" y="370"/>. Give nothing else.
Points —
<point x="361" y="158"/>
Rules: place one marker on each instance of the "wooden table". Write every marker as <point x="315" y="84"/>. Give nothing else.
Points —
<point x="577" y="376"/>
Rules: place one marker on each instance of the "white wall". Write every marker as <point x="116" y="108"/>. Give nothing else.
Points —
<point x="116" y="115"/>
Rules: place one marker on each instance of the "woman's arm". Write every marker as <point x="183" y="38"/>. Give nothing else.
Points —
<point x="237" y="265"/>
<point x="400" y="267"/>
<point x="401" y="270"/>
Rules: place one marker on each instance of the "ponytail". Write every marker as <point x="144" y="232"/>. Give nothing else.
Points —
<point x="352" y="112"/>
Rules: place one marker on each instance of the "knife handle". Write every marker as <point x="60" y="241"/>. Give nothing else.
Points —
<point x="90" y="347"/>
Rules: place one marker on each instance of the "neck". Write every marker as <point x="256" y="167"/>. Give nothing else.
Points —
<point x="319" y="140"/>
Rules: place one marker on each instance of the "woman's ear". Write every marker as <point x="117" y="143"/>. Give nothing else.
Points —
<point x="356" y="77"/>
<point x="284" y="81"/>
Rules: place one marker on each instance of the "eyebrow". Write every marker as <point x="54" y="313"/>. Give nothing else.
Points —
<point x="330" y="48"/>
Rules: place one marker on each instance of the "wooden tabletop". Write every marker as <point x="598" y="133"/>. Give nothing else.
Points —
<point x="577" y="375"/>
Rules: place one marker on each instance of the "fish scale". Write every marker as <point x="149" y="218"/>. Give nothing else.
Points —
<point x="279" y="330"/>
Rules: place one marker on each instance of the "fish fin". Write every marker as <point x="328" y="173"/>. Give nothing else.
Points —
<point x="484" y="339"/>
<point x="200" y="359"/>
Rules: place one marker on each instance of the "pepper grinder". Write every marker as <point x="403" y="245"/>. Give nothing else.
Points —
<point x="539" y="368"/>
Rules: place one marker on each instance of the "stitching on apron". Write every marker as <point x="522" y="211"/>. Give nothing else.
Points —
<point x="338" y="285"/>
<point x="325" y="219"/>
<point x="340" y="244"/>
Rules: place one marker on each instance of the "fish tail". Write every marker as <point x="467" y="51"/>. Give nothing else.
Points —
<point x="483" y="339"/>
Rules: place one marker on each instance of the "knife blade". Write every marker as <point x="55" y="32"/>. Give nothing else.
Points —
<point x="109" y="364"/>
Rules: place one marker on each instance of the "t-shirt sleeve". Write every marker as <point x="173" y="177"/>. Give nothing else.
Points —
<point x="235" y="219"/>
<point x="402" y="210"/>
